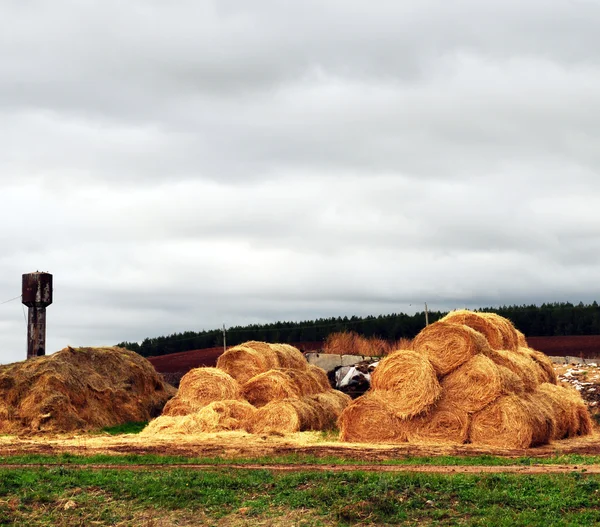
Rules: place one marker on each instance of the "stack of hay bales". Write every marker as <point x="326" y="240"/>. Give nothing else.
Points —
<point x="469" y="377"/>
<point x="80" y="389"/>
<point x="257" y="387"/>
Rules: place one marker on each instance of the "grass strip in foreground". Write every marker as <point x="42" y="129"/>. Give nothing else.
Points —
<point x="65" y="496"/>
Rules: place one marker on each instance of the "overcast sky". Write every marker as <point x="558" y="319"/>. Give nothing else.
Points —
<point x="177" y="165"/>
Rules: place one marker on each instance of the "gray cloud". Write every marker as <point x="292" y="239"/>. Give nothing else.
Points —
<point x="181" y="166"/>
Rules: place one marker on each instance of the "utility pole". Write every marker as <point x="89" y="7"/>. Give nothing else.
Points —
<point x="426" y="315"/>
<point x="36" y="295"/>
<point x="224" y="338"/>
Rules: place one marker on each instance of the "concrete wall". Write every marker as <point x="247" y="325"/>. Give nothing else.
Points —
<point x="329" y="362"/>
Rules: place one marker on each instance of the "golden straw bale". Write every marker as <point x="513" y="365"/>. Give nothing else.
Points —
<point x="545" y="368"/>
<point x="475" y="384"/>
<point x="542" y="417"/>
<point x="320" y="377"/>
<point x="243" y="363"/>
<point x="331" y="404"/>
<point x="504" y="423"/>
<point x="508" y="332"/>
<point x="448" y="345"/>
<point x="478" y="322"/>
<point x="286" y="416"/>
<point x="510" y="381"/>
<point x="409" y="380"/>
<point x="306" y="383"/>
<point x="582" y="421"/>
<point x="520" y="364"/>
<point x="521" y="340"/>
<point x="369" y="419"/>
<point x="199" y="387"/>
<point x="289" y="356"/>
<point x="272" y="385"/>
<point x="444" y="423"/>
<point x="565" y="416"/>
<point x="271" y="358"/>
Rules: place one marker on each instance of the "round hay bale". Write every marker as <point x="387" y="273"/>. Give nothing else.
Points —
<point x="521" y="340"/>
<point x="582" y="421"/>
<point x="448" y="345"/>
<point x="504" y="423"/>
<point x="320" y="377"/>
<point x="409" y="382"/>
<point x="199" y="387"/>
<point x="545" y="367"/>
<point x="305" y="382"/>
<point x="445" y="423"/>
<point x="243" y="363"/>
<point x="289" y="357"/>
<point x="332" y="404"/>
<point x="474" y="385"/>
<point x="272" y="385"/>
<point x="286" y="416"/>
<point x="542" y="416"/>
<point x="477" y="321"/>
<point x="224" y="415"/>
<point x="267" y="352"/>
<point x="369" y="419"/>
<point x="510" y="381"/>
<point x="510" y="339"/>
<point x="520" y="364"/>
<point x="565" y="416"/>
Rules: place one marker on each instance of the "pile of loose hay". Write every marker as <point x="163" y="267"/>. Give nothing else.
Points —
<point x="80" y="389"/>
<point x="270" y="386"/>
<point x="488" y="387"/>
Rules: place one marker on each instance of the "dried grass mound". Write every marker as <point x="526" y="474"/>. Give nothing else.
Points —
<point x="286" y="416"/>
<point x="448" y="345"/>
<point x="542" y="417"/>
<point x="273" y="385"/>
<point x="80" y="389"/>
<point x="508" y="332"/>
<point x="445" y="423"/>
<point x="504" y="423"/>
<point x="582" y="421"/>
<point x="479" y="322"/>
<point x="243" y="363"/>
<point x="332" y="403"/>
<point x="289" y="357"/>
<point x="474" y="385"/>
<point x="543" y="365"/>
<point x="200" y="387"/>
<point x="369" y="419"/>
<point x="410" y="382"/>
<point x="565" y="416"/>
<point x="218" y="416"/>
<point x="520" y="364"/>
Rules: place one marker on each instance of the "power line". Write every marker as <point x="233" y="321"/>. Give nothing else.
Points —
<point x="10" y="300"/>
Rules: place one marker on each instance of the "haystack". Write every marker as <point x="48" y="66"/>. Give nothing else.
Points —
<point x="474" y="385"/>
<point x="333" y="403"/>
<point x="510" y="382"/>
<point x="287" y="416"/>
<point x="272" y="385"/>
<point x="200" y="387"/>
<point x="410" y="383"/>
<point x="565" y="413"/>
<point x="479" y="322"/>
<point x="582" y="421"/>
<point x="319" y="376"/>
<point x="370" y="419"/>
<point x="444" y="423"/>
<point x="542" y="416"/>
<point x="217" y="416"/>
<point x="504" y="423"/>
<point x="542" y="365"/>
<point x="80" y="389"/>
<point x="448" y="345"/>
<point x="243" y="363"/>
<point x="519" y="363"/>
<point x="289" y="357"/>
<point x="508" y="332"/>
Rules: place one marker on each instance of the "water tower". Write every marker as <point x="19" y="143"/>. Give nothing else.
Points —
<point x="36" y="295"/>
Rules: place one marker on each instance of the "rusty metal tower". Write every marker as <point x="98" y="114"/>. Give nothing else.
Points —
<point x="36" y="295"/>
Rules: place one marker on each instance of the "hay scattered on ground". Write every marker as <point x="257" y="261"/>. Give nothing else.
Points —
<point x="80" y="389"/>
<point x="448" y="345"/>
<point x="474" y="385"/>
<point x="479" y="322"/>
<point x="410" y="382"/>
<point x="369" y="419"/>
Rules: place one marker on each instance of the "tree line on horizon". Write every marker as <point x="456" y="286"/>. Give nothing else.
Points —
<point x="552" y="319"/>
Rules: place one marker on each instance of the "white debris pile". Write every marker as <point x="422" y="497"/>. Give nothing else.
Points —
<point x="585" y="378"/>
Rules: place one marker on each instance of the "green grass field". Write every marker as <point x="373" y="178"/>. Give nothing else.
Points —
<point x="176" y="496"/>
